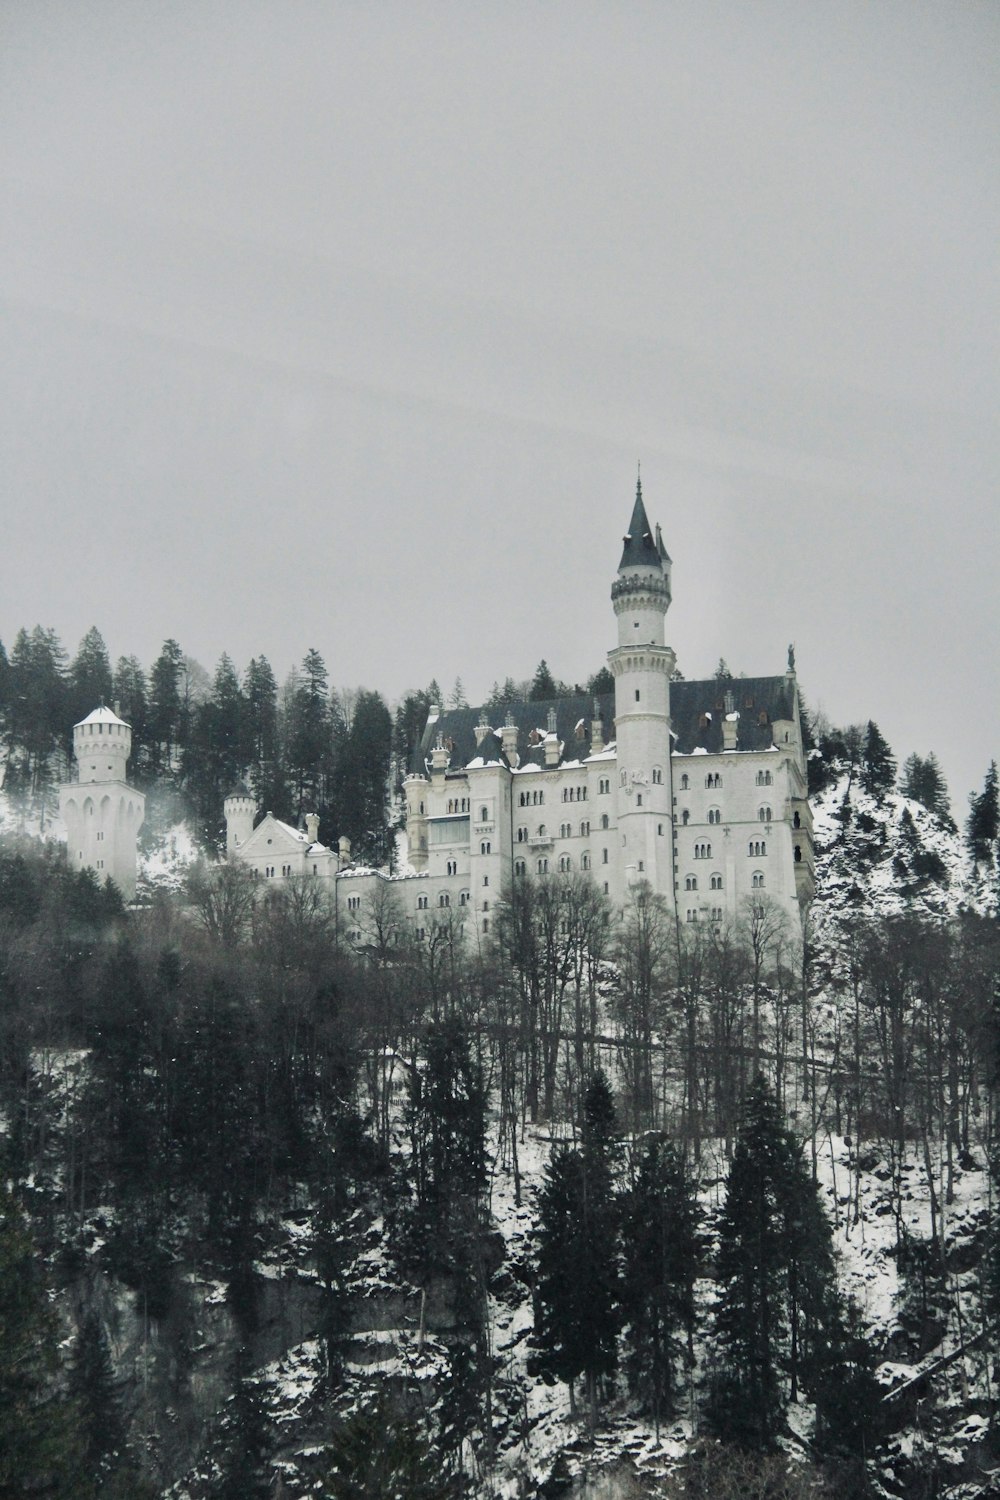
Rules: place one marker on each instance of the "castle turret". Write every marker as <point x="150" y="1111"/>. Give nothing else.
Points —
<point x="102" y="813"/>
<point x="642" y="666"/>
<point x="416" y="788"/>
<point x="240" y="810"/>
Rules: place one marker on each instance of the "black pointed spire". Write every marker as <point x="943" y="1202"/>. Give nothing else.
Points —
<point x="640" y="545"/>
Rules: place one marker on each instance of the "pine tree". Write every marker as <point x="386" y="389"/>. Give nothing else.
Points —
<point x="543" y="684"/>
<point x="751" y="1316"/>
<point x="259" y="743"/>
<point x="361" y="779"/>
<point x="922" y="779"/>
<point x="37" y="712"/>
<point x="982" y="828"/>
<point x="308" y="738"/>
<point x="577" y="1292"/>
<point x="780" y="1312"/>
<point x="248" y="1441"/>
<point x="601" y="683"/>
<point x="41" y="1452"/>
<point x="878" y="768"/>
<point x="164" y="716"/>
<point x="90" y="682"/>
<point x="659" y="1217"/>
<point x="92" y="1383"/>
<point x="377" y="1455"/>
<point x="130" y="692"/>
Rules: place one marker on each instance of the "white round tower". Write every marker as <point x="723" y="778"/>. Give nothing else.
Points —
<point x="102" y="813"/>
<point x="240" y="810"/>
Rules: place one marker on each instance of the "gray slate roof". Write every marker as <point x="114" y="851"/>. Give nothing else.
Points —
<point x="690" y="704"/>
<point x="641" y="548"/>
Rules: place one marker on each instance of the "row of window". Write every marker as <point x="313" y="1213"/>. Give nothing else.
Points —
<point x="455" y="805"/>
<point x="574" y="794"/>
<point x="714" y="884"/>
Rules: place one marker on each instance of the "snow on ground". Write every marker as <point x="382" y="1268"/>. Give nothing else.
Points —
<point x="165" y="865"/>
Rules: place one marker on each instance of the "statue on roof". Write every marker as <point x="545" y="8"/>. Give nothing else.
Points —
<point x="791" y="657"/>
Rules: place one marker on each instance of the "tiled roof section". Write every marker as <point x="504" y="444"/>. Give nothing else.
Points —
<point x="751" y="697"/>
<point x="457" y="727"/>
<point x="641" y="549"/>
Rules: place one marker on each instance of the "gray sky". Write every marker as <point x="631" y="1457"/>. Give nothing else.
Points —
<point x="344" y="325"/>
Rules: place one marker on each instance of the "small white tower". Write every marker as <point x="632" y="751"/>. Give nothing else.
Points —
<point x="642" y="666"/>
<point x="102" y="813"/>
<point x="240" y="810"/>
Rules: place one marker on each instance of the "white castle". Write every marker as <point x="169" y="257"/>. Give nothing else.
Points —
<point x="696" y="788"/>
<point x="102" y="813"/>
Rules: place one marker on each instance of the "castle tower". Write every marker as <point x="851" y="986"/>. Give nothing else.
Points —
<point x="240" y="810"/>
<point x="417" y="789"/>
<point x="642" y="666"/>
<point x="102" y="813"/>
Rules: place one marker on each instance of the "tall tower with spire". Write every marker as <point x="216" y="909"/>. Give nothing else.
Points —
<point x="642" y="665"/>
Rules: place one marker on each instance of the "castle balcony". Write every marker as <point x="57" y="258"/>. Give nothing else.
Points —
<point x="483" y="827"/>
<point x="541" y="841"/>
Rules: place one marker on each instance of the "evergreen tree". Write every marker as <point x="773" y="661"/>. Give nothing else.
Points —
<point x="129" y="690"/>
<point x="577" y="1291"/>
<point x="543" y="684"/>
<point x="308" y="738"/>
<point x="164" y="717"/>
<point x="982" y="828"/>
<point x="92" y="1383"/>
<point x="259" y="741"/>
<point x="601" y="684"/>
<point x="878" y="768"/>
<point x="377" y="1455"/>
<point x="659" y="1249"/>
<point x="37" y="712"/>
<point x="248" y="1441"/>
<point x="361" y="779"/>
<point x="751" y="1315"/>
<point x="780" y="1314"/>
<point x="457" y="698"/>
<point x="41" y="1452"/>
<point x="211" y="762"/>
<point x="90" y="682"/>
<point x="408" y="726"/>
<point x="922" y="779"/>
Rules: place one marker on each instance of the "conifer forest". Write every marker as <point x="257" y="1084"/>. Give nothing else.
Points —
<point x="603" y="1206"/>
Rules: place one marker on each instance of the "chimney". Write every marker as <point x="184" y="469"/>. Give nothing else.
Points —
<point x="482" y="729"/>
<point x="730" y="726"/>
<point x="552" y="741"/>
<point x="508" y="736"/>
<point x="440" y="755"/>
<point x="596" y="731"/>
<point x="312" y="827"/>
<point x="344" y="850"/>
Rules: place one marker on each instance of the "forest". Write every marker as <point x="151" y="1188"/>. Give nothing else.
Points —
<point x="693" y="1211"/>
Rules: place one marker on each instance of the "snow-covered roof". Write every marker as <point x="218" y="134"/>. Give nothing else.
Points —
<point x="102" y="715"/>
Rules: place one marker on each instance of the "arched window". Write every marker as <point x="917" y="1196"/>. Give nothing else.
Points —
<point x="584" y="828"/>
<point x="543" y="867"/>
<point x="484" y="847"/>
<point x="484" y="815"/>
<point x="684" y="782"/>
<point x="519" y="867"/>
<point x="715" y="883"/>
<point x="756" y="848"/>
<point x="764" y="814"/>
<point x="584" y="861"/>
<point x="463" y="898"/>
<point x="714" y="815"/>
<point x="541" y="830"/>
<point x="797" y="820"/>
<point x="444" y="899"/>
<point x="685" y="815"/>
<point x="703" y="851"/>
<point x="657" y="776"/>
<point x="798" y="854"/>
<point x="605" y="821"/>
<point x="564" y="863"/>
<point x="604" y="856"/>
<point x="691" y="883"/>
<point x="421" y="903"/>
<point x="757" y="880"/>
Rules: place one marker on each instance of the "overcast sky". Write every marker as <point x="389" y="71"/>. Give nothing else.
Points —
<point x="344" y="326"/>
